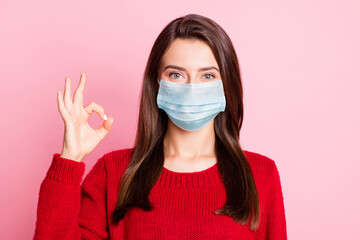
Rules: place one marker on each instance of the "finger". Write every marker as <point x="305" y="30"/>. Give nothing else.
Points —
<point x="67" y="94"/>
<point x="61" y="106"/>
<point x="79" y="93"/>
<point x="94" y="107"/>
<point x="105" y="128"/>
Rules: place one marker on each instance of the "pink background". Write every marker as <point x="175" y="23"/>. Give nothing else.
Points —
<point x="299" y="62"/>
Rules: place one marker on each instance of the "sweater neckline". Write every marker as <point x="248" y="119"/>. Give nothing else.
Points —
<point x="198" y="179"/>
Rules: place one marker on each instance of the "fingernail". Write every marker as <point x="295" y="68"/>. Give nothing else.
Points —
<point x="105" y="117"/>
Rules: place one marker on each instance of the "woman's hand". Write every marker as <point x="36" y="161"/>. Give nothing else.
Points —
<point x="79" y="138"/>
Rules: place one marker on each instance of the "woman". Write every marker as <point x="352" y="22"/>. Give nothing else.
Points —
<point x="186" y="176"/>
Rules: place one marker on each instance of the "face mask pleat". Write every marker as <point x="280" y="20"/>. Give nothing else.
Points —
<point x="195" y="124"/>
<point x="190" y="108"/>
<point x="191" y="116"/>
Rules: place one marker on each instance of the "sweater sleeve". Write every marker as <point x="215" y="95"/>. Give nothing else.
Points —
<point x="275" y="218"/>
<point x="68" y="210"/>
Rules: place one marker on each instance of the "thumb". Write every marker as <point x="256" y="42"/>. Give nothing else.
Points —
<point x="106" y="127"/>
<point x="108" y="124"/>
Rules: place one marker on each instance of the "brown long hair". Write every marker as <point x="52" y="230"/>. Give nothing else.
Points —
<point x="147" y="156"/>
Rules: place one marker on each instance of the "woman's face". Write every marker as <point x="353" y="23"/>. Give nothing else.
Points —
<point x="189" y="61"/>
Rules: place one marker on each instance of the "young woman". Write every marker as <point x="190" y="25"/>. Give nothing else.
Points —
<point x="186" y="176"/>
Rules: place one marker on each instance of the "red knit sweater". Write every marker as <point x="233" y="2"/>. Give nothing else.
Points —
<point x="183" y="203"/>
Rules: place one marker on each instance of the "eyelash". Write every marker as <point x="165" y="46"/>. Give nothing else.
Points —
<point x="204" y="74"/>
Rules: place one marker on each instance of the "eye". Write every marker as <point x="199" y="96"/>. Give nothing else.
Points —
<point x="209" y="75"/>
<point x="174" y="73"/>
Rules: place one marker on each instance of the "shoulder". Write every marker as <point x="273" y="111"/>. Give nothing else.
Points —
<point x="122" y="154"/>
<point x="117" y="160"/>
<point x="259" y="162"/>
<point x="263" y="167"/>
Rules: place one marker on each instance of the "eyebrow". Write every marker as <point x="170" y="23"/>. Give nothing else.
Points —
<point x="183" y="69"/>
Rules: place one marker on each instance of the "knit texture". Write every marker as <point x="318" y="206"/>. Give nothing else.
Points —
<point x="184" y="203"/>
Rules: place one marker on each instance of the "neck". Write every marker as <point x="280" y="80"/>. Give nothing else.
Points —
<point x="189" y="146"/>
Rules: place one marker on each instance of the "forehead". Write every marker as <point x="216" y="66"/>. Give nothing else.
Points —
<point x="188" y="53"/>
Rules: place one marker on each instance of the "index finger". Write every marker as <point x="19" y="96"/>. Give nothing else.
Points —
<point x="79" y="93"/>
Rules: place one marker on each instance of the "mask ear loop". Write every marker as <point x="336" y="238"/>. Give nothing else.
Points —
<point x="159" y="85"/>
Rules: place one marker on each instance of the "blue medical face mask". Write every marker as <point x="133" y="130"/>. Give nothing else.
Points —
<point x="191" y="106"/>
